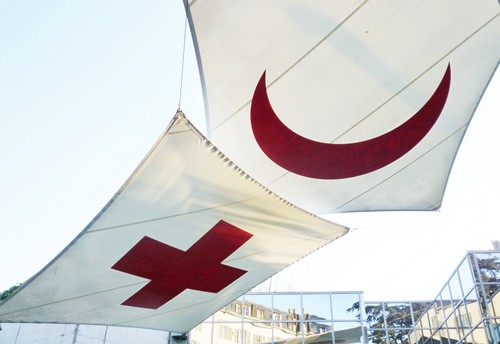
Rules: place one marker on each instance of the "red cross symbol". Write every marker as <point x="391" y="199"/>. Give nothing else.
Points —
<point x="172" y="271"/>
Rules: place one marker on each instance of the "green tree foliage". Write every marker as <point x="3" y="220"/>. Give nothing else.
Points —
<point x="6" y="293"/>
<point x="396" y="317"/>
<point x="489" y="270"/>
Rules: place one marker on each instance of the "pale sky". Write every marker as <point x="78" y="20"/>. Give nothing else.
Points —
<point x="87" y="87"/>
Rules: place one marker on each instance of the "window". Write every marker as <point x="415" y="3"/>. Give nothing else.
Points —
<point x="463" y="321"/>
<point x="434" y="322"/>
<point x="237" y="336"/>
<point x="225" y="332"/>
<point x="257" y="338"/>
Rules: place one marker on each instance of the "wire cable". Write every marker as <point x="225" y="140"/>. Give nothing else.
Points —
<point x="182" y="64"/>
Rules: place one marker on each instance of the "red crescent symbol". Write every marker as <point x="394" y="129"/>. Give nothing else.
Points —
<point x="320" y="160"/>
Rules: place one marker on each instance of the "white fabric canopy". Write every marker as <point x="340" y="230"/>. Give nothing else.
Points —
<point x="342" y="72"/>
<point x="185" y="235"/>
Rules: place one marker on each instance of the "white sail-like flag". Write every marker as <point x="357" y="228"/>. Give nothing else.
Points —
<point x="343" y="106"/>
<point x="186" y="234"/>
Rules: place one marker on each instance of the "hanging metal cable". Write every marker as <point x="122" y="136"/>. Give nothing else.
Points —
<point x="182" y="65"/>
